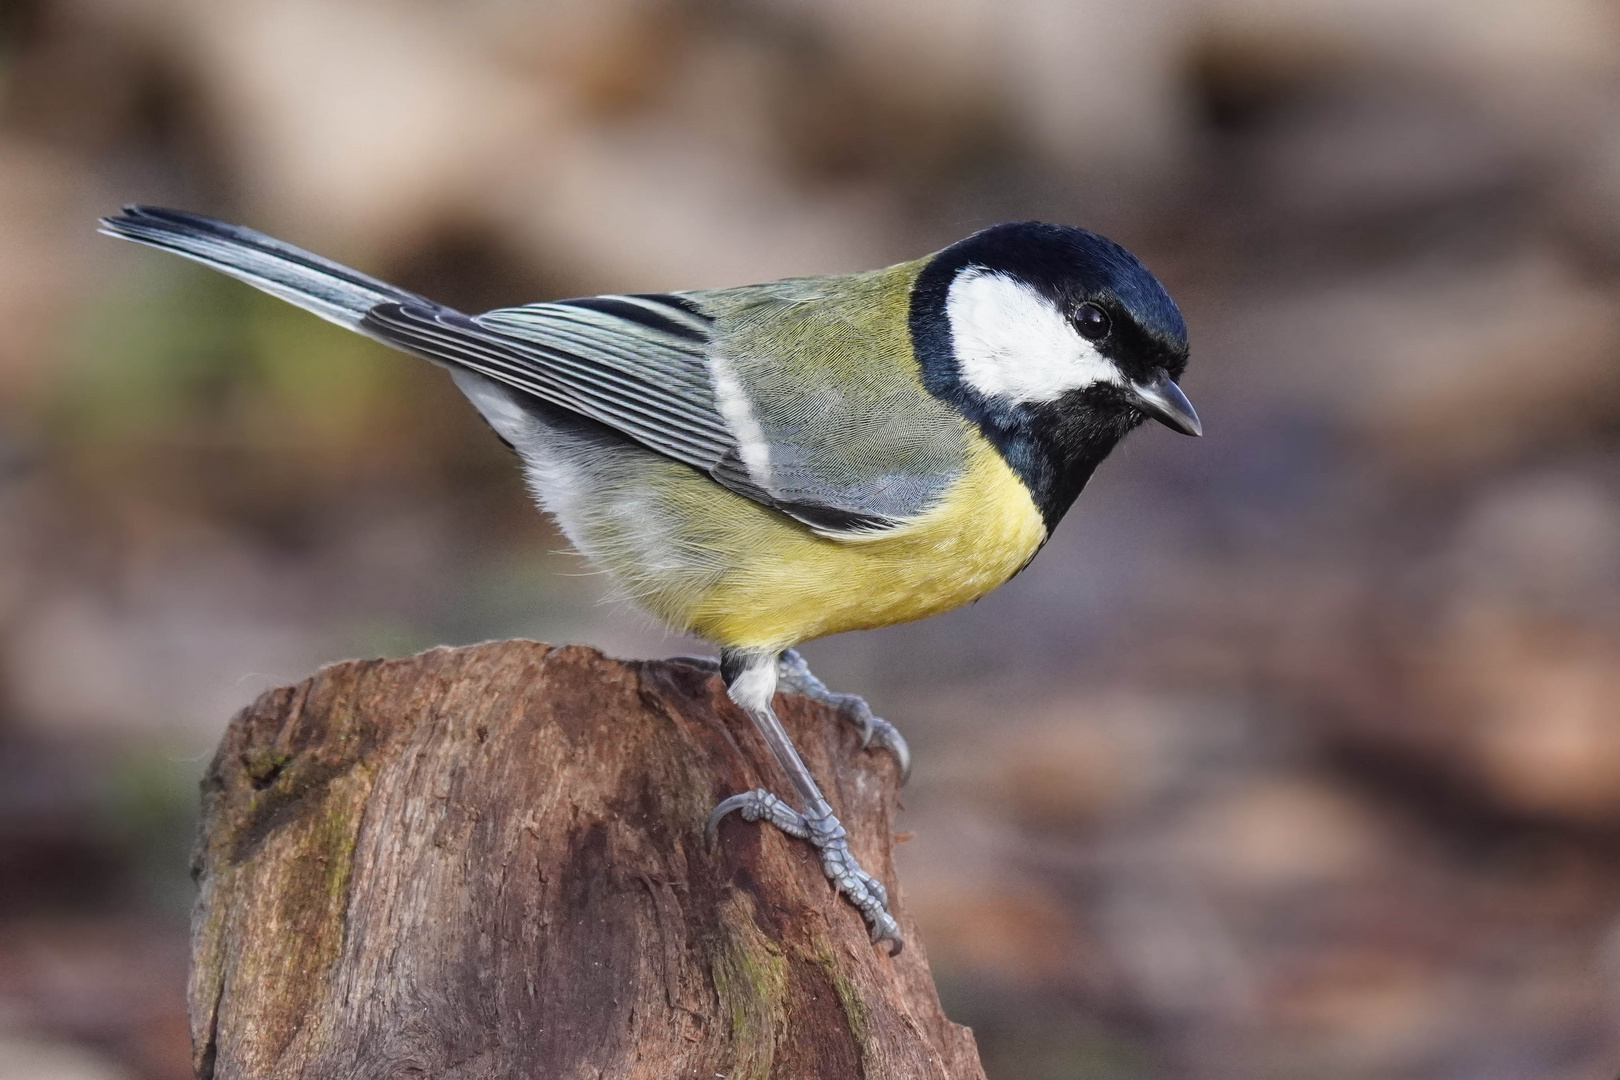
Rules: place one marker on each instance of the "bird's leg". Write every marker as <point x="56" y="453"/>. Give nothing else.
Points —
<point x="751" y="682"/>
<point x="797" y="676"/>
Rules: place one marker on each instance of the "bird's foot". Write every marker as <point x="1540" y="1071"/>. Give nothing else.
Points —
<point x="826" y="835"/>
<point x="794" y="674"/>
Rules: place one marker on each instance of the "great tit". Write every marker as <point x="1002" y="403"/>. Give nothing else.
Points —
<point x="767" y="464"/>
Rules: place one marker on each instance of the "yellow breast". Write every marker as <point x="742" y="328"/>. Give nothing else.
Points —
<point x="782" y="584"/>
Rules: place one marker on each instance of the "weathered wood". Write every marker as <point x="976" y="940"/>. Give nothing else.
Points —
<point x="490" y="862"/>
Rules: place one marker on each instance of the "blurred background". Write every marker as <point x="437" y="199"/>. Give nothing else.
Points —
<point x="1296" y="752"/>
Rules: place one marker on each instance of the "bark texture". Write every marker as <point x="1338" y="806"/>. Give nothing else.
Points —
<point x="490" y="862"/>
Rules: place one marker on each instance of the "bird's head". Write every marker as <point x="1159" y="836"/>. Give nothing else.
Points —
<point x="1057" y="342"/>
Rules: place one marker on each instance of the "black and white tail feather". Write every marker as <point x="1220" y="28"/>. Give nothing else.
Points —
<point x="328" y="289"/>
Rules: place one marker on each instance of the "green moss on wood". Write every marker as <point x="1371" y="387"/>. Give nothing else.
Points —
<point x="750" y="977"/>
<point x="849" y="995"/>
<point x="263" y="766"/>
<point x="297" y="882"/>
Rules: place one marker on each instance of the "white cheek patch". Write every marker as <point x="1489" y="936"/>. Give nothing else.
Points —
<point x="1012" y="343"/>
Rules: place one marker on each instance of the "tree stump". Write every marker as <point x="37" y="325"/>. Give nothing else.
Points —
<point x="490" y="862"/>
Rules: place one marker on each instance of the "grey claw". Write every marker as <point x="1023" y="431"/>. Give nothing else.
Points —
<point x="888" y="736"/>
<point x="796" y="675"/>
<point x="875" y="729"/>
<point x="880" y="924"/>
<point x="862" y="712"/>
<point x="757" y="805"/>
<point x="711" y="828"/>
<point x="864" y="891"/>
<point x="889" y="932"/>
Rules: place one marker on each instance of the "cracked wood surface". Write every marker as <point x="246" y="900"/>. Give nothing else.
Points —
<point x="489" y="862"/>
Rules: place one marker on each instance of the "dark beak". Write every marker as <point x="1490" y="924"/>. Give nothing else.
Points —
<point x="1163" y="400"/>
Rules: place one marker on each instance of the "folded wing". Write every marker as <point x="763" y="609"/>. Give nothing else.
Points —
<point x="646" y="366"/>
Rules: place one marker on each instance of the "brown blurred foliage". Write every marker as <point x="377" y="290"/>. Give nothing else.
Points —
<point x="1297" y="752"/>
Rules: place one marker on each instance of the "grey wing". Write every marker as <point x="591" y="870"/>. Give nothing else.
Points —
<point x="639" y="365"/>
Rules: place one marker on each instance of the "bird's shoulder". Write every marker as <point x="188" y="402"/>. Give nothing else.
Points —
<point x="822" y="372"/>
<point x="843" y="328"/>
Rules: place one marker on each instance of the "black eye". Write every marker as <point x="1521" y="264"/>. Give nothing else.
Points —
<point x="1092" y="322"/>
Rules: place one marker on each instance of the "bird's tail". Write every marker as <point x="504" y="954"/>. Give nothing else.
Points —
<point x="328" y="289"/>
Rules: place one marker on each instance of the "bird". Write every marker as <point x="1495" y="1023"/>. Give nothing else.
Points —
<point x="768" y="464"/>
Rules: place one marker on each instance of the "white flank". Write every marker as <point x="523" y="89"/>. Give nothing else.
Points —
<point x="496" y="404"/>
<point x="1012" y="343"/>
<point x="738" y="411"/>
